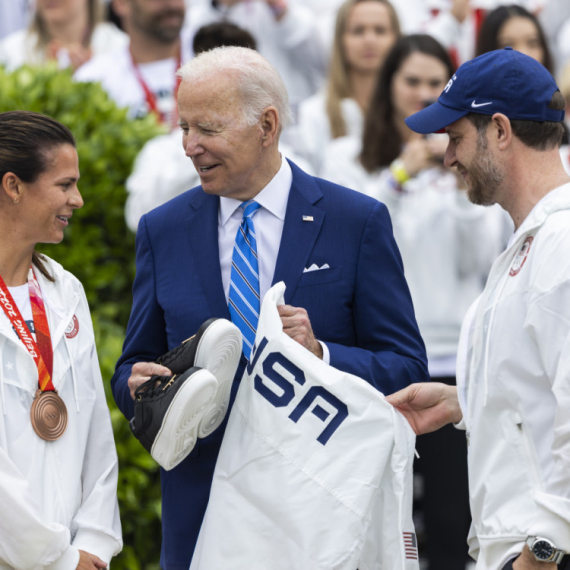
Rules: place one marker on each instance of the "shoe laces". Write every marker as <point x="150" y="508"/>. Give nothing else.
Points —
<point x="153" y="387"/>
<point x="169" y="356"/>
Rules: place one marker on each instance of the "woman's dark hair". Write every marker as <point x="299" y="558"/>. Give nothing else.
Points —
<point x="494" y="21"/>
<point x="381" y="141"/>
<point x="26" y="142"/>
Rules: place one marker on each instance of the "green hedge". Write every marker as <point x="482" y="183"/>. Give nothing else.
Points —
<point x="99" y="249"/>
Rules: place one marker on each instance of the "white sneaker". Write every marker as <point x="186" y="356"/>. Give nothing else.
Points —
<point x="219" y="352"/>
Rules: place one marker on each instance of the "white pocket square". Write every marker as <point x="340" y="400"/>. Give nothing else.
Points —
<point x="315" y="267"/>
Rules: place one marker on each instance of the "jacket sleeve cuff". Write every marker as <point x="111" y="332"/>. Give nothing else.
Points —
<point x="553" y="520"/>
<point x="460" y="425"/>
<point x="326" y="352"/>
<point x="96" y="542"/>
<point x="67" y="561"/>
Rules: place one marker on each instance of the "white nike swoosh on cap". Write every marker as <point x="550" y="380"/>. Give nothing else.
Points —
<point x="475" y="105"/>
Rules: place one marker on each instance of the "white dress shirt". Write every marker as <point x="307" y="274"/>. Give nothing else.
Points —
<point x="268" y="223"/>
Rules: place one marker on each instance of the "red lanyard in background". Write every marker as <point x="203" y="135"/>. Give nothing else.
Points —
<point x="150" y="97"/>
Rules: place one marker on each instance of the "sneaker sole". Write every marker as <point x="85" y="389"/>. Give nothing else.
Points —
<point x="219" y="351"/>
<point x="179" y="430"/>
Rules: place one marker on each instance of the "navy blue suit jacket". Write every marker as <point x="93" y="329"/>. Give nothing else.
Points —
<point x="360" y="307"/>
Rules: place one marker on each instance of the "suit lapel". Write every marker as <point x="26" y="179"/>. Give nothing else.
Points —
<point x="299" y="235"/>
<point x="202" y="231"/>
<point x="297" y="241"/>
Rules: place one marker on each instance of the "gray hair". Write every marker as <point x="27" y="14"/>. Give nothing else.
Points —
<point x="258" y="82"/>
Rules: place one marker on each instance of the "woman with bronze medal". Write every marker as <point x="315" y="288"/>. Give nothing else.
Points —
<point x="58" y="464"/>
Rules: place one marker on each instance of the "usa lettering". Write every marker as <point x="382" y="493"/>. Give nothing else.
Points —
<point x="279" y="391"/>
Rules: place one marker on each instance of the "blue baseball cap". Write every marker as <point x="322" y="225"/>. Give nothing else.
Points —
<point x="501" y="81"/>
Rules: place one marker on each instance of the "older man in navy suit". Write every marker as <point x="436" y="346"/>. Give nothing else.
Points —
<point x="347" y="299"/>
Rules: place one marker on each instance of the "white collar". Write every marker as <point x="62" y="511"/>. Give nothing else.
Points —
<point x="273" y="197"/>
<point x="545" y="203"/>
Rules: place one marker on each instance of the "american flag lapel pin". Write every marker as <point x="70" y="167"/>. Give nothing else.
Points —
<point x="307" y="218"/>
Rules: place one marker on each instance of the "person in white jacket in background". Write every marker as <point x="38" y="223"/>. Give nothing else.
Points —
<point x="58" y="463"/>
<point x="504" y="113"/>
<point x="68" y="32"/>
<point x="364" y="33"/>
<point x="286" y="34"/>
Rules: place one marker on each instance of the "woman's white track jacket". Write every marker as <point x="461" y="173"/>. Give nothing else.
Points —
<point x="56" y="497"/>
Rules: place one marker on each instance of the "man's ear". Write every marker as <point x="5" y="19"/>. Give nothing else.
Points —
<point x="501" y="131"/>
<point x="11" y="186"/>
<point x="269" y="125"/>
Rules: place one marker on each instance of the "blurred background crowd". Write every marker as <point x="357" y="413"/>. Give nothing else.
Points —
<point x="354" y="71"/>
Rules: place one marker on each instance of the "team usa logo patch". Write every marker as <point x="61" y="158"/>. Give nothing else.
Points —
<point x="72" y="328"/>
<point x="410" y="545"/>
<point x="521" y="257"/>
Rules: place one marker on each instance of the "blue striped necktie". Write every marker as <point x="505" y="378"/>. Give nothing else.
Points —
<point x="244" y="279"/>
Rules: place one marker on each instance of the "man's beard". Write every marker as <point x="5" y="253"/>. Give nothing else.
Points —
<point x="154" y="28"/>
<point x="485" y="176"/>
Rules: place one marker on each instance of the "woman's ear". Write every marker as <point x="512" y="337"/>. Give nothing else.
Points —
<point x="12" y="186"/>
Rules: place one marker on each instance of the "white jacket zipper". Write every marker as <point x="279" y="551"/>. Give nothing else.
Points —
<point x="529" y="451"/>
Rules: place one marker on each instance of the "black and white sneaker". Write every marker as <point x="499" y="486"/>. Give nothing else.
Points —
<point x="169" y="411"/>
<point x="216" y="347"/>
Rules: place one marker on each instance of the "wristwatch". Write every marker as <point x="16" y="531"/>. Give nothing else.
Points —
<point x="544" y="549"/>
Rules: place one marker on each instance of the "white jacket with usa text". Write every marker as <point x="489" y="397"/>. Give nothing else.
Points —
<point x="315" y="469"/>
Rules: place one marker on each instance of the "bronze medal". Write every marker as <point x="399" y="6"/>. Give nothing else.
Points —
<point x="49" y="415"/>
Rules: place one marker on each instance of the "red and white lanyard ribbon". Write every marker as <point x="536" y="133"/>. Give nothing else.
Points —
<point x="40" y="349"/>
<point x="150" y="97"/>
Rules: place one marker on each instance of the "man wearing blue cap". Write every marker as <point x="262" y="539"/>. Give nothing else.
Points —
<point x="504" y="115"/>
